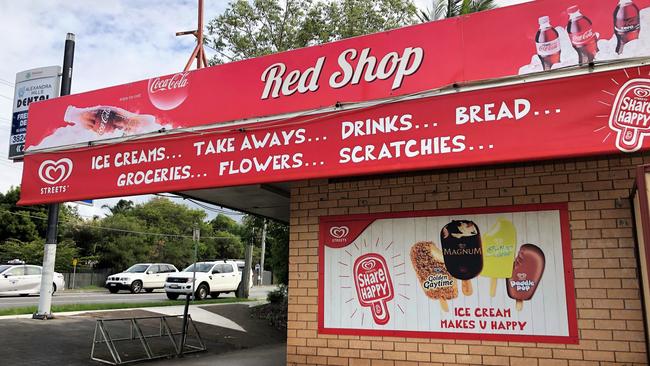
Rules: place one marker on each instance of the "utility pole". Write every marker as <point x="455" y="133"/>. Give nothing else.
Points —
<point x="248" y="261"/>
<point x="262" y="254"/>
<point x="49" y="252"/>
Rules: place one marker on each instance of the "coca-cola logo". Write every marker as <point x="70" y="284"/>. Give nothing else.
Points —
<point x="630" y="115"/>
<point x="582" y="38"/>
<point x="53" y="172"/>
<point x="548" y="48"/>
<point x="168" y="92"/>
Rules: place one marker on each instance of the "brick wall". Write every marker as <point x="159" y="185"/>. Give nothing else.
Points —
<point x="610" y="319"/>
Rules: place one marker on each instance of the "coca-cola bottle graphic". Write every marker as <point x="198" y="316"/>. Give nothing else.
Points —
<point x="107" y="119"/>
<point x="547" y="41"/>
<point x="626" y="23"/>
<point x="582" y="35"/>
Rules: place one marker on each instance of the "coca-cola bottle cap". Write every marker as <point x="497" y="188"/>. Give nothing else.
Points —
<point x="573" y="9"/>
<point x="544" y="20"/>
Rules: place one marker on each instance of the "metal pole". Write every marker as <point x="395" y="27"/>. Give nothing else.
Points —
<point x="262" y="254"/>
<point x="196" y="235"/>
<point x="74" y="274"/>
<point x="49" y="252"/>
<point x="246" y="276"/>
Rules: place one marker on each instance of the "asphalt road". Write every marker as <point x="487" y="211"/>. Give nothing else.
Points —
<point x="95" y="297"/>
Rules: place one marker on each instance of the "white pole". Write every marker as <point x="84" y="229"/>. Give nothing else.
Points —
<point x="261" y="273"/>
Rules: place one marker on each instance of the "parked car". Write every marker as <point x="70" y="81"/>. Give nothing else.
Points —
<point x="213" y="278"/>
<point x="18" y="278"/>
<point x="141" y="276"/>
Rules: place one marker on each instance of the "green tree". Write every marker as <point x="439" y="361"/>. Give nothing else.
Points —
<point x="32" y="252"/>
<point x="261" y="27"/>
<point x="121" y="206"/>
<point x="441" y="9"/>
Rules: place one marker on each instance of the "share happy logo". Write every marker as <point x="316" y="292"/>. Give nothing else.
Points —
<point x="339" y="233"/>
<point x="53" y="172"/>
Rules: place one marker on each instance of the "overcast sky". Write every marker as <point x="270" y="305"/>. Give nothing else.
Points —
<point x="118" y="41"/>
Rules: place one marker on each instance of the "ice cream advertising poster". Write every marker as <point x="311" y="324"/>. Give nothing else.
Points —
<point x="501" y="273"/>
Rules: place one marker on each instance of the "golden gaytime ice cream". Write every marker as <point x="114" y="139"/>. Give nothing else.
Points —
<point x="499" y="246"/>
<point x="435" y="280"/>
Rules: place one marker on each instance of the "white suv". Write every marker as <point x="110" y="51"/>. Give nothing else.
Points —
<point x="147" y="276"/>
<point x="212" y="278"/>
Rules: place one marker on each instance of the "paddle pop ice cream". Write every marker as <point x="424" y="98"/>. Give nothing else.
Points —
<point x="527" y="271"/>
<point x="435" y="280"/>
<point x="462" y="251"/>
<point x="374" y="286"/>
<point x="499" y="246"/>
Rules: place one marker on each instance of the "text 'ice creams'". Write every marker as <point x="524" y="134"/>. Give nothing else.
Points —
<point x="462" y="251"/>
<point x="527" y="272"/>
<point x="435" y="280"/>
<point x="499" y="246"/>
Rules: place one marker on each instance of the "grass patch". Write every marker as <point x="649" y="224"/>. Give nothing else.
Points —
<point x="112" y="306"/>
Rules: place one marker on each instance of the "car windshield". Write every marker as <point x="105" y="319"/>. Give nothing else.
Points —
<point x="138" y="268"/>
<point x="4" y="267"/>
<point x="200" y="267"/>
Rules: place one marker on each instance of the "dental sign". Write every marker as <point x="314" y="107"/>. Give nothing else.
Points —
<point x="498" y="273"/>
<point x="31" y="86"/>
<point x="608" y="113"/>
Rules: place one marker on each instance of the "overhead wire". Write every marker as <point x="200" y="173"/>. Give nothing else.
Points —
<point x="202" y="205"/>
<point x="117" y="229"/>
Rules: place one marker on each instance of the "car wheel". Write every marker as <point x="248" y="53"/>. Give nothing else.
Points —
<point x="136" y="287"/>
<point x="239" y="293"/>
<point x="53" y="288"/>
<point x="148" y="290"/>
<point x="172" y="295"/>
<point x="113" y="290"/>
<point x="214" y="295"/>
<point x="201" y="292"/>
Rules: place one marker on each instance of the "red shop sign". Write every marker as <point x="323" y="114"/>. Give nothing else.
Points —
<point x="597" y="113"/>
<point x="487" y="45"/>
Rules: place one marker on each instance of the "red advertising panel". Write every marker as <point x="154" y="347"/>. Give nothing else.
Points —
<point x="597" y="113"/>
<point x="532" y="37"/>
<point x="498" y="273"/>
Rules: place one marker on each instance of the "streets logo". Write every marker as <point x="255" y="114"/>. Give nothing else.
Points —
<point x="53" y="172"/>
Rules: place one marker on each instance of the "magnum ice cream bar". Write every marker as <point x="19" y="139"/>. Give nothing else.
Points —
<point x="374" y="286"/>
<point x="436" y="282"/>
<point x="461" y="248"/>
<point x="527" y="271"/>
<point x="499" y="246"/>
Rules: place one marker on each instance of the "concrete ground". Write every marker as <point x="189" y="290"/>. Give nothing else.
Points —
<point x="231" y="336"/>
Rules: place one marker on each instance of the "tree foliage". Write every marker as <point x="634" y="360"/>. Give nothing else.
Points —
<point x="155" y="231"/>
<point x="261" y="27"/>
<point x="441" y="9"/>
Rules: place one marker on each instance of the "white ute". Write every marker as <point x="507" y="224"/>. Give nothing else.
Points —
<point x="213" y="278"/>
<point x="147" y="276"/>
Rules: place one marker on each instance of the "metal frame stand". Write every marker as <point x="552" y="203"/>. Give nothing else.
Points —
<point x="103" y="336"/>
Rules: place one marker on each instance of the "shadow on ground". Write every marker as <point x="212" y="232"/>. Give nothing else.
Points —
<point x="68" y="340"/>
